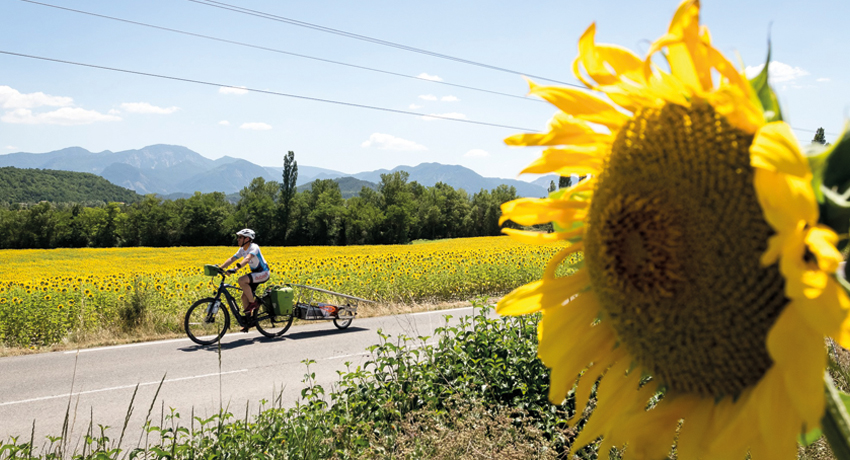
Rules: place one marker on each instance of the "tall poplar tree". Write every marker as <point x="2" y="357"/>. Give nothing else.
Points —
<point x="287" y="193"/>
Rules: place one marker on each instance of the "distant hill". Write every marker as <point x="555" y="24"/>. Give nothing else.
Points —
<point x="348" y="186"/>
<point x="171" y="169"/>
<point x="429" y="174"/>
<point x="306" y="174"/>
<point x="227" y="178"/>
<point x="35" y="185"/>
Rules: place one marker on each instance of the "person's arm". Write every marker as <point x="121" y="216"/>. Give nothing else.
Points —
<point x="246" y="260"/>
<point x="226" y="263"/>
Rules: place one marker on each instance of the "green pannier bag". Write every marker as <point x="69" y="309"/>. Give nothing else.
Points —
<point x="282" y="300"/>
<point x="211" y="270"/>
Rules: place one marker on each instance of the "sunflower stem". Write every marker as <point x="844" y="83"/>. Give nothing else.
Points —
<point x="836" y="421"/>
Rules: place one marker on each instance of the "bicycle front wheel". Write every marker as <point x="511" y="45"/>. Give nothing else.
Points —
<point x="206" y="322"/>
<point x="271" y="325"/>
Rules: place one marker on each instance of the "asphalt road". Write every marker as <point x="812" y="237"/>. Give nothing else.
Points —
<point x="98" y="383"/>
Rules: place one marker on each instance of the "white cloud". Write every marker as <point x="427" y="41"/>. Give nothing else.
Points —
<point x="428" y="97"/>
<point x="65" y="116"/>
<point x="256" y="126"/>
<point x="449" y="99"/>
<point x="224" y="123"/>
<point x="477" y="153"/>
<point x="389" y="142"/>
<point x="11" y="147"/>
<point x="114" y="112"/>
<point x="414" y="106"/>
<point x="455" y="115"/>
<point x="232" y="90"/>
<point x="823" y="79"/>
<point x="144" y="107"/>
<point x="425" y="76"/>
<point x="11" y="98"/>
<point x="778" y="72"/>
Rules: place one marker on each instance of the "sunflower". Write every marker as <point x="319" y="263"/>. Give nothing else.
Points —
<point x="704" y="268"/>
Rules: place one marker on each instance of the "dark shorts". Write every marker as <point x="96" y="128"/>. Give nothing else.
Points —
<point x="254" y="281"/>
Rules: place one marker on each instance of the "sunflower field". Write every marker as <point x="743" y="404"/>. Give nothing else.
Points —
<point x="48" y="295"/>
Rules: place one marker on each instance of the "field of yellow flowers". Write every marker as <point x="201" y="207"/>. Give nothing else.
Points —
<point x="47" y="295"/>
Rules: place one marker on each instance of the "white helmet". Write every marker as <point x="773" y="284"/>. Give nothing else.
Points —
<point x="247" y="232"/>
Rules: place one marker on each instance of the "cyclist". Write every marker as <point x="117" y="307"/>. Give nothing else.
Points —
<point x="250" y="254"/>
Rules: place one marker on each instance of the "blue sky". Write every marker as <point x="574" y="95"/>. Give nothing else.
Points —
<point x="46" y="106"/>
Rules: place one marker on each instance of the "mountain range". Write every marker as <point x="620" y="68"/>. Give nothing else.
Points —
<point x="173" y="169"/>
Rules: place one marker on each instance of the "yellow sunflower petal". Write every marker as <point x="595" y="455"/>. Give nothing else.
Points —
<point x="680" y="61"/>
<point x="685" y="49"/>
<point x="527" y="298"/>
<point x="614" y="394"/>
<point x="691" y="443"/>
<point x="576" y="159"/>
<point x="843" y="336"/>
<point x="604" y="63"/>
<point x="803" y="278"/>
<point x="591" y="375"/>
<point x="540" y="237"/>
<point x="779" y="439"/>
<point x="826" y="313"/>
<point x="800" y="358"/>
<point x="684" y="58"/>
<point x="733" y="103"/>
<point x="785" y="200"/>
<point x="568" y="361"/>
<point x="563" y="129"/>
<point x="821" y="241"/>
<point x="730" y="419"/>
<point x="556" y="261"/>
<point x="774" y="250"/>
<point x="580" y="104"/>
<point x="728" y="71"/>
<point x="532" y="211"/>
<point x="650" y="434"/>
<point x="775" y="148"/>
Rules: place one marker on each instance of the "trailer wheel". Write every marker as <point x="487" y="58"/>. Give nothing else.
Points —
<point x="342" y="323"/>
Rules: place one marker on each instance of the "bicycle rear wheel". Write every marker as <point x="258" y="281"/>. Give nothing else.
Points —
<point x="206" y="322"/>
<point x="271" y="325"/>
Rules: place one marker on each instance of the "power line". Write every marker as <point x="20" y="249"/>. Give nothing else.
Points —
<point x="813" y="131"/>
<point x="260" y="14"/>
<point x="275" y="93"/>
<point x="275" y="50"/>
<point x="295" y="22"/>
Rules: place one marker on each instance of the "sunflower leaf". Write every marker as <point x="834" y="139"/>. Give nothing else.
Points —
<point x="835" y="212"/>
<point x="836" y="421"/>
<point x="768" y="99"/>
<point x="831" y="181"/>
<point x="836" y="167"/>
<point x="807" y="439"/>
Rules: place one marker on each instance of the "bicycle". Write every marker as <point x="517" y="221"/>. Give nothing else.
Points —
<point x="208" y="319"/>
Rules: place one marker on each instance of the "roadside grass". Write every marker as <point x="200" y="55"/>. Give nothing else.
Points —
<point x="474" y="391"/>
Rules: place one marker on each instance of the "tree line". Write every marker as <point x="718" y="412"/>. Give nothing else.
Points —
<point x="396" y="213"/>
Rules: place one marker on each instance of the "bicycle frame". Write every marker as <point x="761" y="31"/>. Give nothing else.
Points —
<point x="231" y="301"/>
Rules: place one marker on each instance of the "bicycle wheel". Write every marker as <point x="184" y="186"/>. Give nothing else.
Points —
<point x="205" y="322"/>
<point x="271" y="325"/>
<point x="342" y="323"/>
